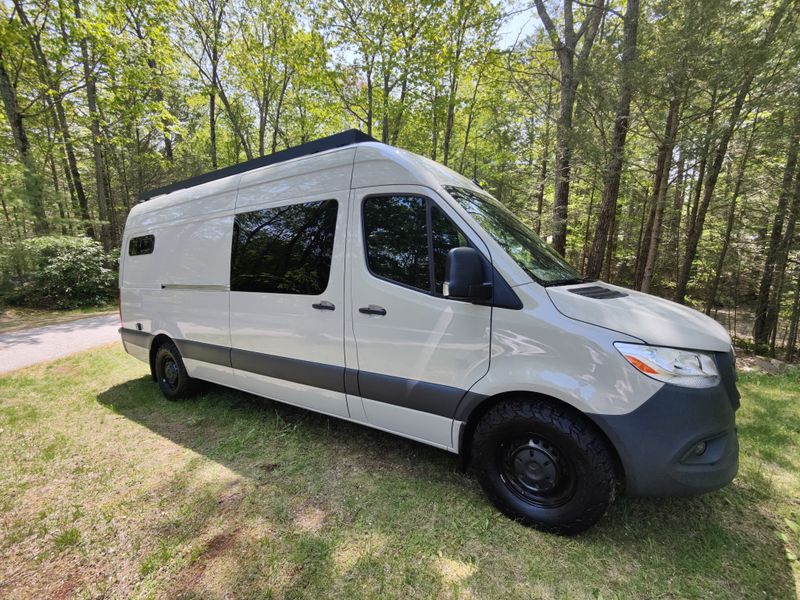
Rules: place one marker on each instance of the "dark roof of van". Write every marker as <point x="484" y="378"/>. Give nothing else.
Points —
<point x="337" y="140"/>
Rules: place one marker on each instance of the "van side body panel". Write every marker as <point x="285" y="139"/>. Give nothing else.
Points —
<point x="180" y="290"/>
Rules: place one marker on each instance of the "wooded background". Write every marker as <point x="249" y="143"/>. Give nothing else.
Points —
<point x="654" y="143"/>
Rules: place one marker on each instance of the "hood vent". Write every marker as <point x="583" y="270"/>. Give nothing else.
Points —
<point x="598" y="292"/>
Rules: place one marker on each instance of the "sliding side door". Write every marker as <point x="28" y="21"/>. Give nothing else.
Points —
<point x="287" y="301"/>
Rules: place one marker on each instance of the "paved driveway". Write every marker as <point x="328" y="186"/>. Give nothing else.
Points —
<point x="30" y="346"/>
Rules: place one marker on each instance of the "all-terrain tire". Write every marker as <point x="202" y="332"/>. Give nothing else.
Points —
<point x="544" y="465"/>
<point x="171" y="374"/>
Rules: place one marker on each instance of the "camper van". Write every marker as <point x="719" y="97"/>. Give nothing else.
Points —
<point x="368" y="283"/>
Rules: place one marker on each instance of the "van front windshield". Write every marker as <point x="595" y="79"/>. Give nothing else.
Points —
<point x="535" y="256"/>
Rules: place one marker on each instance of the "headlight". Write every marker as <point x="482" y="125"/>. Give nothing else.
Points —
<point x="686" y="368"/>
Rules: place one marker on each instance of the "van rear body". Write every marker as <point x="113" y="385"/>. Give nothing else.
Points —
<point x="374" y="285"/>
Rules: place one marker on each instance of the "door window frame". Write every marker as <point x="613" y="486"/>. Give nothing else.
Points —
<point x="429" y="204"/>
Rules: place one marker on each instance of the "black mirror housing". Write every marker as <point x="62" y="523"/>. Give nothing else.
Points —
<point x="464" y="277"/>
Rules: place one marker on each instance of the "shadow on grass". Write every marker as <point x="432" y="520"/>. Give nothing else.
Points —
<point x="409" y="503"/>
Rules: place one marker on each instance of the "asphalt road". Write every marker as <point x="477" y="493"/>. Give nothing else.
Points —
<point x="30" y="346"/>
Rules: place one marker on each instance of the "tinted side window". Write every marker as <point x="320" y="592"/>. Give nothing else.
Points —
<point x="284" y="250"/>
<point x="397" y="239"/>
<point x="446" y="236"/>
<point x="143" y="244"/>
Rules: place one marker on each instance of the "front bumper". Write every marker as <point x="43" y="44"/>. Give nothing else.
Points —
<point x="655" y="442"/>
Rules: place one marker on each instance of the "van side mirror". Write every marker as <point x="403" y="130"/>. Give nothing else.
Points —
<point x="463" y="276"/>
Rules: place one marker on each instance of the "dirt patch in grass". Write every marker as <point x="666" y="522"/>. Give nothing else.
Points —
<point x="108" y="490"/>
<point x="190" y="580"/>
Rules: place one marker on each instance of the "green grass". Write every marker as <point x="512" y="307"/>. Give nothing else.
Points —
<point x="107" y="489"/>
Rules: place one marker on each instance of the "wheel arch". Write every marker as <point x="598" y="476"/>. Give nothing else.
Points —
<point x="479" y="410"/>
<point x="155" y="344"/>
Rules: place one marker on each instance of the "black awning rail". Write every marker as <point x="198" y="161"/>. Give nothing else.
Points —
<point x="337" y="140"/>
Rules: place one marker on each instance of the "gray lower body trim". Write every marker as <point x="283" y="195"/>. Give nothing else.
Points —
<point x="426" y="397"/>
<point x="432" y="398"/>
<point x="210" y="353"/>
<point x="135" y="337"/>
<point x="327" y="377"/>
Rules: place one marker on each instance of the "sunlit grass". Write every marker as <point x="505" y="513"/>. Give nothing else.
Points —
<point x="108" y="489"/>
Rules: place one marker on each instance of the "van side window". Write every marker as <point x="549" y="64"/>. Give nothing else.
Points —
<point x="284" y="250"/>
<point x="143" y="244"/>
<point x="400" y="246"/>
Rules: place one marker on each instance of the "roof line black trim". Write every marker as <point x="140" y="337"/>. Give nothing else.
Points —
<point x="337" y="140"/>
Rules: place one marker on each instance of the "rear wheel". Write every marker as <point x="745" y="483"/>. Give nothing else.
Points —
<point x="171" y="374"/>
<point x="544" y="466"/>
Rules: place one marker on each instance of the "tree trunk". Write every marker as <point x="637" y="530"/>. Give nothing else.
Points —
<point x="613" y="173"/>
<point x="773" y="308"/>
<point x="711" y="297"/>
<point x="276" y="124"/>
<point x="572" y="65"/>
<point x="545" y="154"/>
<point x="158" y="96"/>
<point x="94" y="118"/>
<point x="762" y="326"/>
<point x="794" y="321"/>
<point x="34" y="193"/>
<point x="563" y="156"/>
<point x="54" y="102"/>
<point x="660" y="187"/>
<point x="470" y="117"/>
<point x="696" y="226"/>
<point x="675" y="216"/>
<point x="237" y="130"/>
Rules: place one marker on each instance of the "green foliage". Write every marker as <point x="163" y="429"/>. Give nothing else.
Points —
<point x="183" y="86"/>
<point x="61" y="272"/>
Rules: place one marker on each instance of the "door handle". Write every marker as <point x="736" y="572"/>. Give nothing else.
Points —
<point x="324" y="305"/>
<point x="372" y="310"/>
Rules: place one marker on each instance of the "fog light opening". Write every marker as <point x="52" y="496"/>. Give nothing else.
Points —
<point x="700" y="449"/>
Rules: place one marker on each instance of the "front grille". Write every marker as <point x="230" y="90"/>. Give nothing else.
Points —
<point x="727" y="372"/>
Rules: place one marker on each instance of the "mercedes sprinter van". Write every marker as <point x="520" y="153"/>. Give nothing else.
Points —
<point x="367" y="283"/>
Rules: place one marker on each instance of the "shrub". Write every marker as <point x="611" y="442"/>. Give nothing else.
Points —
<point x="63" y="272"/>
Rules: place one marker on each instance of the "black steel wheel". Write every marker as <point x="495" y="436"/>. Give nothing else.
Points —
<point x="544" y="465"/>
<point x="171" y="374"/>
<point x="536" y="471"/>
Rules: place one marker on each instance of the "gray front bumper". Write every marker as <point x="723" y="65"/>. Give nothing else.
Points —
<point x="655" y="441"/>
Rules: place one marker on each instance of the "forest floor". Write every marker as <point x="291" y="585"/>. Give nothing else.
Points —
<point x="107" y="489"/>
<point x="15" y="318"/>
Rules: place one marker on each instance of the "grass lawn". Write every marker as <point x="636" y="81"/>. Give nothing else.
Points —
<point x="14" y="318"/>
<point x="107" y="489"/>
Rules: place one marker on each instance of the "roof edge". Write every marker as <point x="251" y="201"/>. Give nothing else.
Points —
<point x="337" y="140"/>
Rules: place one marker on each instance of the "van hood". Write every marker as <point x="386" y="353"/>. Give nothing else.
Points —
<point x="651" y="319"/>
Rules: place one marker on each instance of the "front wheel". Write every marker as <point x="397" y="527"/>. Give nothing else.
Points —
<point x="544" y="466"/>
<point x="171" y="374"/>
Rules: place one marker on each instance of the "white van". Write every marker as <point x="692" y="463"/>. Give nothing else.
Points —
<point x="374" y="285"/>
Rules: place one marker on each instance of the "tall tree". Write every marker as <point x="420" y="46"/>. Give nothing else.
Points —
<point x="33" y="186"/>
<point x="762" y="325"/>
<point x="572" y="62"/>
<point x="613" y="172"/>
<point x="90" y="83"/>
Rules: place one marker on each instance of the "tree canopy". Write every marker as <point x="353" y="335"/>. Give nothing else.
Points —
<point x="653" y="142"/>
